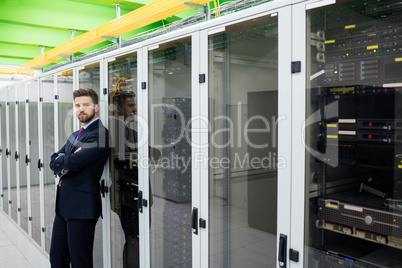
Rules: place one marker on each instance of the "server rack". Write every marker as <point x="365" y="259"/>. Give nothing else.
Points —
<point x="355" y="188"/>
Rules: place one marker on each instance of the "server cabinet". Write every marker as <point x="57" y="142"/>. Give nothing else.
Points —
<point x="353" y="215"/>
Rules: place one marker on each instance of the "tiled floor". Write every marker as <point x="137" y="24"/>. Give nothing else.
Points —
<point x="16" y="249"/>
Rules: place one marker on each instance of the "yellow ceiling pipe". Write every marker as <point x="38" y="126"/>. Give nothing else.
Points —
<point x="76" y="44"/>
<point x="14" y="71"/>
<point x="10" y="71"/>
<point x="145" y="15"/>
<point x="159" y="9"/>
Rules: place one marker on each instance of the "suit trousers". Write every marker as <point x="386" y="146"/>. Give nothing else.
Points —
<point x="72" y="241"/>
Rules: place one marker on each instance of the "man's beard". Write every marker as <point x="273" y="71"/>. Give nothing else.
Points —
<point x="86" y="119"/>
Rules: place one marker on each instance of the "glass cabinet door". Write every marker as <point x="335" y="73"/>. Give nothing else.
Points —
<point x="23" y="207"/>
<point x="65" y="106"/>
<point x="3" y="136"/>
<point x="124" y="224"/>
<point x="170" y="171"/>
<point x="353" y="135"/>
<point x="33" y="97"/>
<point x="12" y="143"/>
<point x="243" y="156"/>
<point x="89" y="77"/>
<point x="48" y="128"/>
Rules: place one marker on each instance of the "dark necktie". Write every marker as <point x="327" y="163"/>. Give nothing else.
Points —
<point x="81" y="130"/>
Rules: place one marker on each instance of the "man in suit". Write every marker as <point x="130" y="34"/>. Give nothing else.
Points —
<point x="79" y="164"/>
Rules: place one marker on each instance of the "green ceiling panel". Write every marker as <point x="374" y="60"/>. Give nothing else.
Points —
<point x="15" y="50"/>
<point x="32" y="35"/>
<point x="59" y="13"/>
<point x="27" y="24"/>
<point x="13" y="61"/>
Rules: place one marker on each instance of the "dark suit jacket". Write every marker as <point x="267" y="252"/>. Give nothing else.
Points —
<point x="78" y="196"/>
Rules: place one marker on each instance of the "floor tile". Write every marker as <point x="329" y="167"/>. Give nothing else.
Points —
<point x="16" y="249"/>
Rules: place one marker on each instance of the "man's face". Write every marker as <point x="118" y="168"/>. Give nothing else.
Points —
<point x="130" y="109"/>
<point x="85" y="109"/>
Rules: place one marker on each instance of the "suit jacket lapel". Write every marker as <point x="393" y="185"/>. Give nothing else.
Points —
<point x="70" y="146"/>
<point x="78" y="143"/>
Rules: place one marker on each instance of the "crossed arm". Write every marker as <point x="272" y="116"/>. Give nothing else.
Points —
<point x="83" y="156"/>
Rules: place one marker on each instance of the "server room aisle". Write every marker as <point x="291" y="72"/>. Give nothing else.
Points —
<point x="16" y="249"/>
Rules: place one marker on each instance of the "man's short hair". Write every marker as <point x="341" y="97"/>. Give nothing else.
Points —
<point x="86" y="92"/>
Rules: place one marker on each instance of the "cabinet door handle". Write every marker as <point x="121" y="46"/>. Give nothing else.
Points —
<point x="282" y="250"/>
<point x="139" y="202"/>
<point x="194" y="220"/>
<point x="104" y="189"/>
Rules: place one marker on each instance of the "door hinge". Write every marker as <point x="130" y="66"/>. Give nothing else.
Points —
<point x="296" y="67"/>
<point x="293" y="255"/>
<point x="201" y="78"/>
<point x="203" y="223"/>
